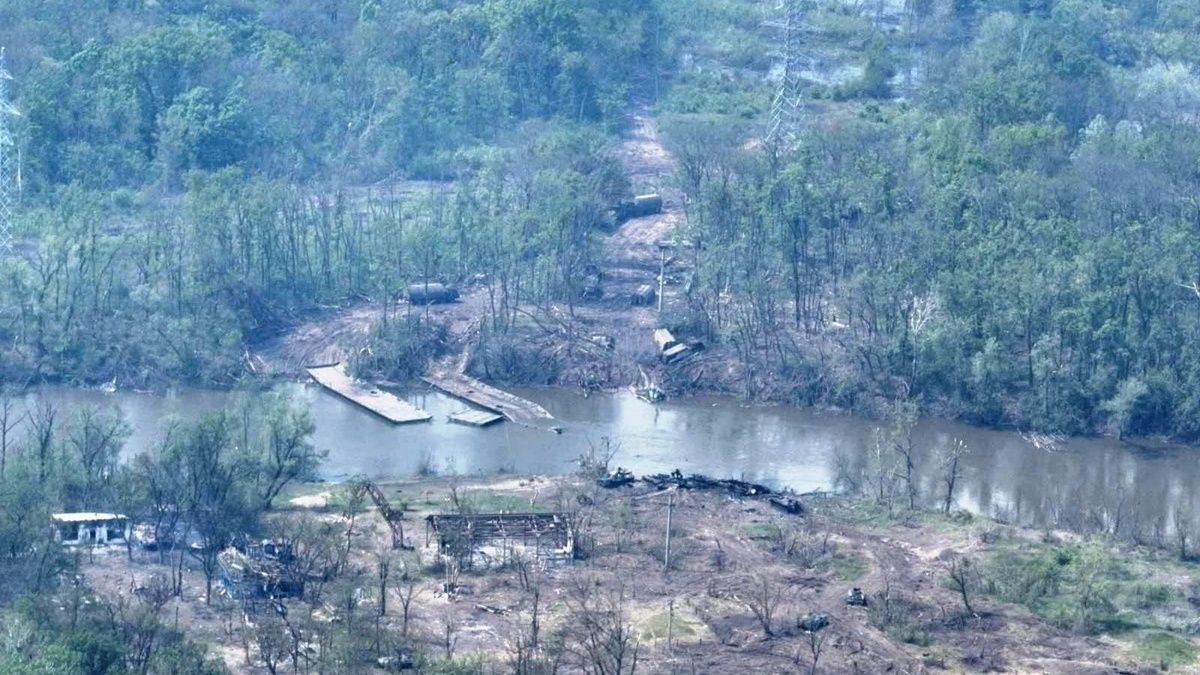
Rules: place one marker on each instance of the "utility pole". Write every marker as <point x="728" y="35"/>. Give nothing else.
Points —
<point x="670" y="623"/>
<point x="785" y="109"/>
<point x="662" y="274"/>
<point x="8" y="163"/>
<point x="667" y="551"/>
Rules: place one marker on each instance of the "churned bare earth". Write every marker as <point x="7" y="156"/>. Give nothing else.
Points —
<point x="742" y="575"/>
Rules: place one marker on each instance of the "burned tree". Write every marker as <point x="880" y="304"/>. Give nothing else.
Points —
<point x="951" y="467"/>
<point x="763" y="600"/>
<point x="599" y="639"/>
<point x="9" y="419"/>
<point x="962" y="580"/>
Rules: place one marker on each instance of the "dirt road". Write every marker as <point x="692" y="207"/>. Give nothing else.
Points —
<point x="631" y="259"/>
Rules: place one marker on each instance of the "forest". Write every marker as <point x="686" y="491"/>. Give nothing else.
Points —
<point x="990" y="208"/>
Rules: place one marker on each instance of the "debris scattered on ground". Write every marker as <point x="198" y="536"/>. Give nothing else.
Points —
<point x="317" y="501"/>
<point x="607" y="342"/>
<point x="619" y="478"/>
<point x="736" y="488"/>
<point x="644" y="296"/>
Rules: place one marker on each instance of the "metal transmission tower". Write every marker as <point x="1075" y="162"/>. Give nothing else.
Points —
<point x="785" y="110"/>
<point x="8" y="162"/>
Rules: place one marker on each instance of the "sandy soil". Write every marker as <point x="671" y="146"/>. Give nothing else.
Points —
<point x="321" y="340"/>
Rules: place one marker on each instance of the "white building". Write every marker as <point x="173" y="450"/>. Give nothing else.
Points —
<point x="74" y="529"/>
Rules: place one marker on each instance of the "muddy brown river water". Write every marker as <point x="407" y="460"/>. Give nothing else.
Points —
<point x="1081" y="482"/>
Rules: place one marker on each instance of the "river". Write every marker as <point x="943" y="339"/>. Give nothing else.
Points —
<point x="1004" y="475"/>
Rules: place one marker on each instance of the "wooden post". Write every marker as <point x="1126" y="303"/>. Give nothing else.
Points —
<point x="670" y="623"/>
<point x="667" y="552"/>
<point x="662" y="274"/>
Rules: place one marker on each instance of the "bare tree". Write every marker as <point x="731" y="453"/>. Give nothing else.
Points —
<point x="847" y="478"/>
<point x="407" y="592"/>
<point x="816" y="641"/>
<point x="903" y="414"/>
<point x="9" y="419"/>
<point x="271" y="639"/>
<point x="316" y="550"/>
<point x="449" y="636"/>
<point x="42" y="427"/>
<point x="356" y="503"/>
<point x="96" y="437"/>
<point x="534" y="619"/>
<point x="763" y="601"/>
<point x="881" y="471"/>
<point x="600" y="639"/>
<point x="528" y="656"/>
<point x="383" y="569"/>
<point x="594" y="463"/>
<point x="1181" y="522"/>
<point x="951" y="469"/>
<point x="962" y="580"/>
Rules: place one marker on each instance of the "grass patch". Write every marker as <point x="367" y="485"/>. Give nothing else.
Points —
<point x="899" y="619"/>
<point x="654" y="627"/>
<point x="1164" y="649"/>
<point x="759" y="531"/>
<point x="1079" y="587"/>
<point x="846" y="566"/>
<point x="717" y="93"/>
<point x="495" y="501"/>
<point x="871" y="514"/>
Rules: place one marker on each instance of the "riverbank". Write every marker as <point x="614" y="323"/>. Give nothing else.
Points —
<point x="740" y="579"/>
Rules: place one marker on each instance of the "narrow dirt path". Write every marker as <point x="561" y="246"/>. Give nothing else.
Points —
<point x="650" y="167"/>
<point x="319" y="341"/>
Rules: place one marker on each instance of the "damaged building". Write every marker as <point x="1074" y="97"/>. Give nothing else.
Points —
<point x="259" y="570"/>
<point x="544" y="537"/>
<point x="87" y="528"/>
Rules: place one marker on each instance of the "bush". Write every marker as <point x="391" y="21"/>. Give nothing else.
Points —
<point x="511" y="359"/>
<point x="1164" y="649"/>
<point x="400" y="349"/>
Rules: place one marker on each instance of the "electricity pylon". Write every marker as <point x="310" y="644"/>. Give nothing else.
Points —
<point x="785" y="109"/>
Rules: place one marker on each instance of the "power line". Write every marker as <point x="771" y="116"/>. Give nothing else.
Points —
<point x="8" y="162"/>
<point x="786" y="112"/>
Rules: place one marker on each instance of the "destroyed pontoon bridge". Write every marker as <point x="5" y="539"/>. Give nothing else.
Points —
<point x="513" y="408"/>
<point x="496" y="404"/>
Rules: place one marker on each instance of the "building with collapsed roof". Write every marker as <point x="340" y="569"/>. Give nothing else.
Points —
<point x="89" y="528"/>
<point x="462" y="536"/>
<point x="259" y="571"/>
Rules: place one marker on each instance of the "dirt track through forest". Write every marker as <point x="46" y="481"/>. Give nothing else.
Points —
<point x="630" y="259"/>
